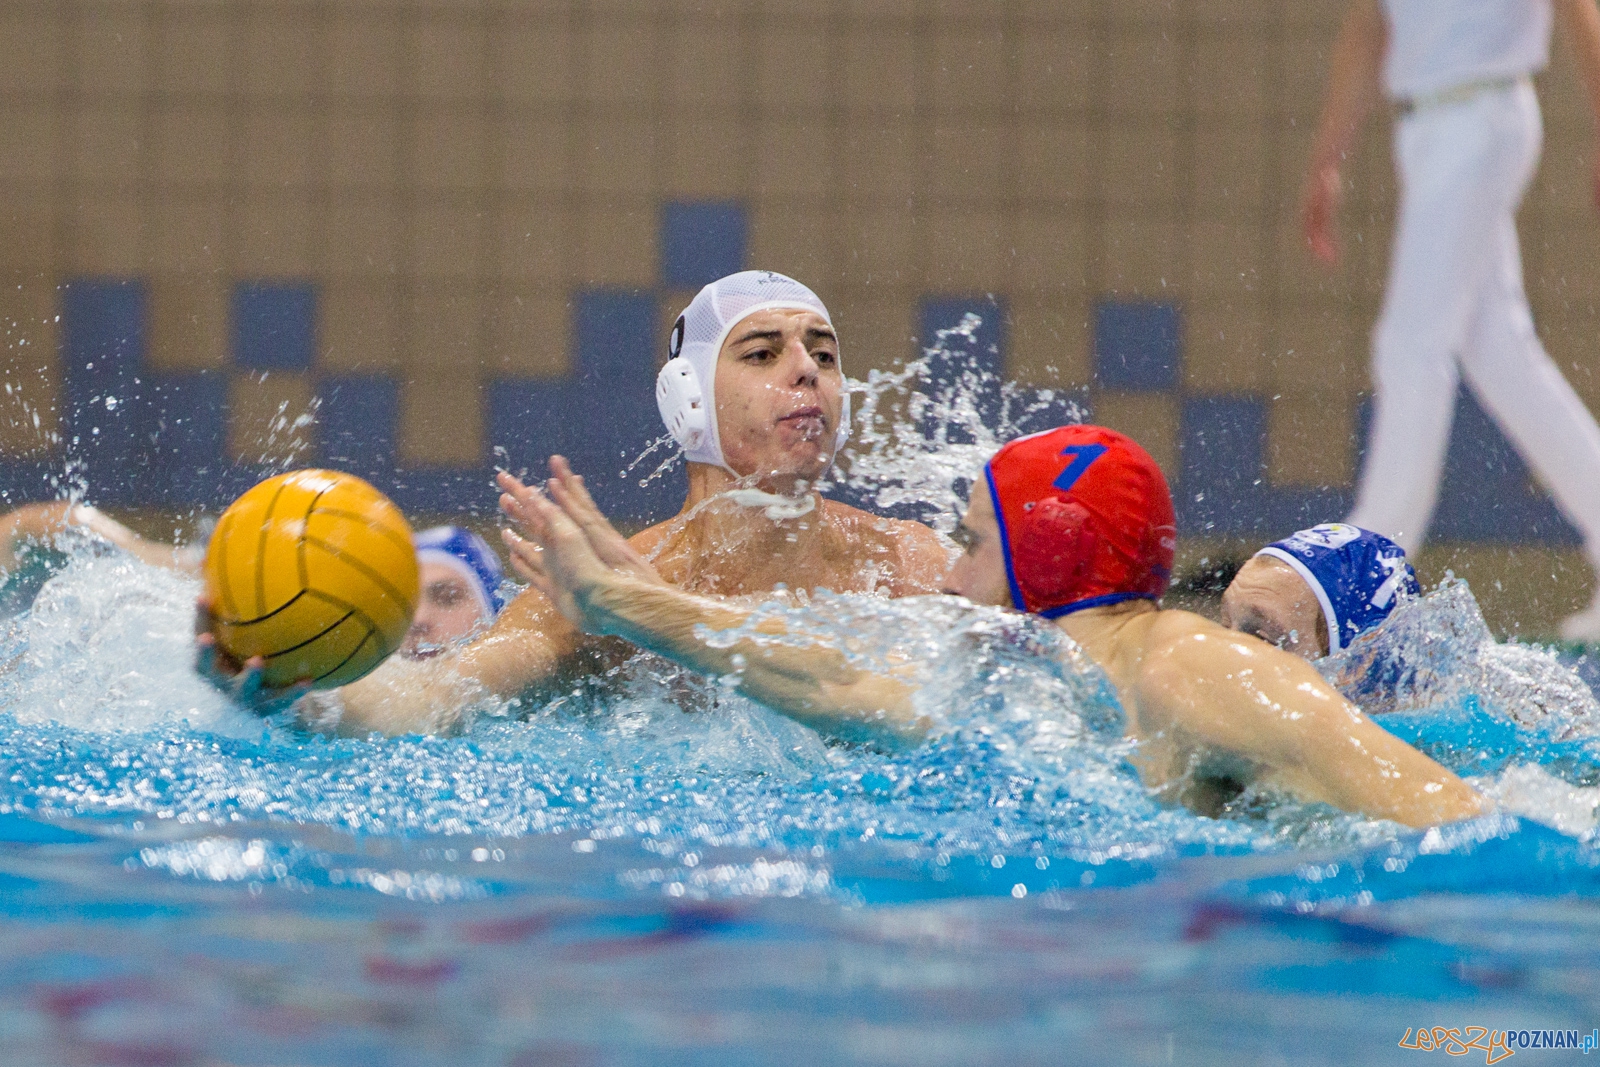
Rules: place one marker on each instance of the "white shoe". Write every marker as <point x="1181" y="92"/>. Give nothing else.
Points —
<point x="1583" y="626"/>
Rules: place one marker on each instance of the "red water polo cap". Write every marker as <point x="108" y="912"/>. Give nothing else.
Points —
<point x="1085" y="520"/>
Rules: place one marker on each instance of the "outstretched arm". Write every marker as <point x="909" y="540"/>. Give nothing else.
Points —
<point x="1353" y="87"/>
<point x="1238" y="694"/>
<point x="1581" y="20"/>
<point x="579" y="561"/>
<point x="39" y="522"/>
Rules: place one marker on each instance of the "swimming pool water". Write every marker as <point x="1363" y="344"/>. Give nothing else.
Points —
<point x="656" y="871"/>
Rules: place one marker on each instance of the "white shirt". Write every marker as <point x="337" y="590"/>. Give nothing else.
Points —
<point x="1439" y="44"/>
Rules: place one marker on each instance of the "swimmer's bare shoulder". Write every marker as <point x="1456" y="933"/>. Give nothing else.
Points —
<point x="919" y="557"/>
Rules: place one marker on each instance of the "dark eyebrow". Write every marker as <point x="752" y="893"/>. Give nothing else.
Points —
<point x="768" y="335"/>
<point x="820" y="331"/>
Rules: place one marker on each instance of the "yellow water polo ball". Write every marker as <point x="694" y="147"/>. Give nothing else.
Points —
<point x="315" y="572"/>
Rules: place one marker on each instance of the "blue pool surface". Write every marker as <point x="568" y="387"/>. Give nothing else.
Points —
<point x="655" y="871"/>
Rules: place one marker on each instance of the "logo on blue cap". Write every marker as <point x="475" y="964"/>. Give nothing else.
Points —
<point x="1358" y="576"/>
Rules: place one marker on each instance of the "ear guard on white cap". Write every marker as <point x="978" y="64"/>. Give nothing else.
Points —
<point x="682" y="404"/>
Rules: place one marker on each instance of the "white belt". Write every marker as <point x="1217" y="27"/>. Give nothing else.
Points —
<point x="1458" y="94"/>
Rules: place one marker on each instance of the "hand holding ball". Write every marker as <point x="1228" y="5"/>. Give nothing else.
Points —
<point x="315" y="572"/>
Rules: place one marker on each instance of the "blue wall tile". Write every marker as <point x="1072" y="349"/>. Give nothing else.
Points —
<point x="701" y="241"/>
<point x="103" y="344"/>
<point x="184" y="431"/>
<point x="1485" y="494"/>
<point x="274" y="325"/>
<point x="960" y="363"/>
<point x="1137" y="345"/>
<point x="358" y="424"/>
<point x="1221" y="476"/>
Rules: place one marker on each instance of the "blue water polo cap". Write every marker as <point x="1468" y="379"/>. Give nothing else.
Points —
<point x="1358" y="576"/>
<point x="469" y="556"/>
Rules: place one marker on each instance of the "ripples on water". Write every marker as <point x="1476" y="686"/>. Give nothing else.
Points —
<point x="614" y="878"/>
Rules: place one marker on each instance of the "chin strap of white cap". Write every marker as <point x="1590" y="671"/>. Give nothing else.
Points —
<point x="684" y="388"/>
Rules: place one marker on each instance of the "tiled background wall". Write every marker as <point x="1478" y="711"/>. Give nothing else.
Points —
<point x="424" y="225"/>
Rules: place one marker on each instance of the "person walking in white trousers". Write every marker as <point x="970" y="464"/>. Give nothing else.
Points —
<point x="1466" y="145"/>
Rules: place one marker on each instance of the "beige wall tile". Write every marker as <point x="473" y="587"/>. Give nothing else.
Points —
<point x="1241" y="16"/>
<point x="1151" y="419"/>
<point x="1225" y="258"/>
<point x="1314" y="346"/>
<point x="359" y="328"/>
<point x="363" y="54"/>
<point x="33" y="49"/>
<point x="708" y="156"/>
<point x="29" y="224"/>
<point x="447" y="150"/>
<point x="188" y="322"/>
<point x="441" y="421"/>
<point x="879" y="65"/>
<point x="1303" y="65"/>
<point x="879" y="164"/>
<point x="186" y="233"/>
<point x="531" y="241"/>
<point x="528" y="333"/>
<point x="709" y="71"/>
<point x="277" y="144"/>
<point x="28" y="144"/>
<point x="792" y="159"/>
<point x="968" y="72"/>
<point x="194" y="52"/>
<point x="442" y="328"/>
<point x="271" y="235"/>
<point x="620" y="58"/>
<point x="615" y="244"/>
<point x="360" y="146"/>
<point x="264" y="418"/>
<point x="361" y="234"/>
<point x="29" y="366"/>
<point x="1142" y="255"/>
<point x="1055" y="72"/>
<point x="617" y="155"/>
<point x="791" y="78"/>
<point x="871" y="12"/>
<point x="450" y="53"/>
<point x="800" y="242"/>
<point x="447" y="241"/>
<point x="533" y="155"/>
<point x="1052" y="161"/>
<point x="105" y="235"/>
<point x="534" y="62"/>
<point x="111" y="50"/>
<point x="282" y="53"/>
<point x="1310" y="439"/>
<point x="1228" y="74"/>
<point x="1138" y="165"/>
<point x="1293" y="276"/>
<point x="1049" y="340"/>
<point x="106" y="145"/>
<point x="190" y="145"/>
<point x="968" y="250"/>
<point x="875" y="328"/>
<point x="880" y="248"/>
<point x="967" y="163"/>
<point x="1224" y="347"/>
<point x="1230" y="162"/>
<point x="1142" y="67"/>
<point x="1049" y="251"/>
<point x="1074" y="14"/>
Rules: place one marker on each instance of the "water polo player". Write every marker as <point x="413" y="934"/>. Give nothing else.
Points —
<point x="460" y="590"/>
<point x="1074" y="525"/>
<point x="1317" y="590"/>
<point x="754" y="393"/>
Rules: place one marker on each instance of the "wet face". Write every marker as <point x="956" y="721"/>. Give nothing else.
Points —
<point x="979" y="573"/>
<point x="447" y="612"/>
<point x="1268" y="599"/>
<point x="779" y="394"/>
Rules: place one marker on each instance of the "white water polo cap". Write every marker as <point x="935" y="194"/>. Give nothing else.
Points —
<point x="684" y="388"/>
